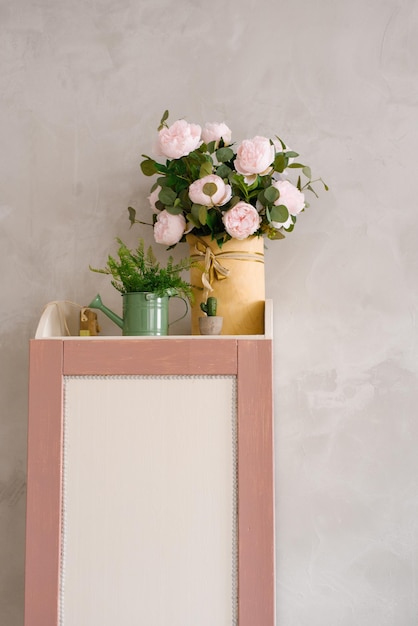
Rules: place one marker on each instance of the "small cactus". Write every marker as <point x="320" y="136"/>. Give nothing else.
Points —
<point x="210" y="306"/>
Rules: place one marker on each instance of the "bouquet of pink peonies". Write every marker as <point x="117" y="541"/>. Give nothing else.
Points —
<point x="205" y="187"/>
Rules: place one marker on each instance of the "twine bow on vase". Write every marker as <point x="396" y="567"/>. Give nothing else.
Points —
<point x="212" y="268"/>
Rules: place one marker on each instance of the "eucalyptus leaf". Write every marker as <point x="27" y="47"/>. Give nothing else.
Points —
<point x="185" y="199"/>
<point x="307" y="171"/>
<point x="203" y="214"/>
<point x="279" y="214"/>
<point x="234" y="200"/>
<point x="224" y="154"/>
<point x="223" y="171"/>
<point x="173" y="210"/>
<point x="195" y="210"/>
<point x="163" y="120"/>
<point x="296" y="165"/>
<point x="205" y="169"/>
<point x="191" y="219"/>
<point x="261" y="198"/>
<point x="281" y="143"/>
<point x="312" y="190"/>
<point x="209" y="189"/>
<point x="271" y="194"/>
<point x="276" y="234"/>
<point x="280" y="163"/>
<point x="167" y="196"/>
<point x="148" y="167"/>
<point x="132" y="215"/>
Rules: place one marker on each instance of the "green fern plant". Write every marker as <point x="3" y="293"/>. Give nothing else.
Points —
<point x="139" y="270"/>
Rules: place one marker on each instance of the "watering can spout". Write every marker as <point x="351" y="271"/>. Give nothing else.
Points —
<point x="98" y="304"/>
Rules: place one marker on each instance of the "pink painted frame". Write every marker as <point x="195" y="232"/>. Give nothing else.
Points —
<point x="249" y="360"/>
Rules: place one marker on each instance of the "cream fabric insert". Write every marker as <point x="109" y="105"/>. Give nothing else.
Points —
<point x="149" y="501"/>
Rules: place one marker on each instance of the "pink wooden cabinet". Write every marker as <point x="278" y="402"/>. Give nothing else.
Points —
<point x="132" y="463"/>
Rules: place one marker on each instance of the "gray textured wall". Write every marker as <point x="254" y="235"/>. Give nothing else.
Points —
<point x="83" y="84"/>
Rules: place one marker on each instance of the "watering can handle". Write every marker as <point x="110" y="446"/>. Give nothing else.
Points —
<point x="184" y="314"/>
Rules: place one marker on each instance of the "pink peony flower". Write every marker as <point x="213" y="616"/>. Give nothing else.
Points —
<point x="221" y="196"/>
<point x="179" y="139"/>
<point x="169" y="229"/>
<point x="290" y="196"/>
<point x="215" y="131"/>
<point x="241" y="221"/>
<point x="153" y="197"/>
<point x="254" y="156"/>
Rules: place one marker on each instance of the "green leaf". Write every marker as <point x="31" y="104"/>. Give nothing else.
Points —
<point x="295" y="165"/>
<point x="195" y="213"/>
<point x="163" y="120"/>
<point x="174" y="210"/>
<point x="211" y="147"/>
<point x="223" y="171"/>
<point x="184" y="199"/>
<point x="191" y="219"/>
<point x="281" y="143"/>
<point x="203" y="214"/>
<point x="291" y="154"/>
<point x="312" y="190"/>
<point x="280" y="163"/>
<point x="132" y="215"/>
<point x="148" y="167"/>
<point x="205" y="169"/>
<point x="209" y="189"/>
<point x="212" y="221"/>
<point x="307" y="171"/>
<point x="275" y="234"/>
<point x="279" y="214"/>
<point x="234" y="200"/>
<point x="224" y="154"/>
<point x="162" y="169"/>
<point x="255" y="184"/>
<point x="261" y="198"/>
<point x="167" y="196"/>
<point x="271" y="194"/>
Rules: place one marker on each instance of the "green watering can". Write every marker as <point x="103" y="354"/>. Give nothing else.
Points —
<point x="144" y="313"/>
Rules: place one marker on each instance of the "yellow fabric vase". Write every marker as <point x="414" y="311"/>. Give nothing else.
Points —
<point x="234" y="274"/>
